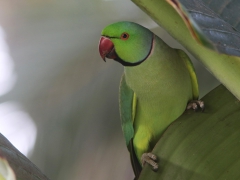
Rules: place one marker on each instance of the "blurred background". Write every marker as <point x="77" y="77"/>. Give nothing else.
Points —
<point x="58" y="99"/>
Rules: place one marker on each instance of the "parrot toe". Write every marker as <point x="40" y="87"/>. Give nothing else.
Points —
<point x="195" y="104"/>
<point x="150" y="159"/>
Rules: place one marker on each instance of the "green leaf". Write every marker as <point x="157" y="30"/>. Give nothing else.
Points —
<point x="199" y="145"/>
<point x="224" y="67"/>
<point x="212" y="22"/>
<point x="228" y="10"/>
<point x="195" y="30"/>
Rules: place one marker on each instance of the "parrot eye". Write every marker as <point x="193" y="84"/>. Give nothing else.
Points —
<point x="124" y="36"/>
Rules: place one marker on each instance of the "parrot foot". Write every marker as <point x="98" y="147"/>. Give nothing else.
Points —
<point x="195" y="104"/>
<point x="150" y="159"/>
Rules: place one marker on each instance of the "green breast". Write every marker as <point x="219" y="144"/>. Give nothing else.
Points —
<point x="163" y="87"/>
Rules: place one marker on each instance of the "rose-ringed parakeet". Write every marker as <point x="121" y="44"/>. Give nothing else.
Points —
<point x="157" y="84"/>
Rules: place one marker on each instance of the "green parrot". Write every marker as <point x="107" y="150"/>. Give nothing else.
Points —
<point x="157" y="85"/>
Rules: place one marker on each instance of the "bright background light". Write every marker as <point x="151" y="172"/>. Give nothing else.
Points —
<point x="18" y="127"/>
<point x="15" y="124"/>
<point x="7" y="75"/>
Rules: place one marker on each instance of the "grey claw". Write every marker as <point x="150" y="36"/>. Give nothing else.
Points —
<point x="150" y="159"/>
<point x="194" y="104"/>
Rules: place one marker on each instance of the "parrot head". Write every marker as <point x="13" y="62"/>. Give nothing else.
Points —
<point x="126" y="42"/>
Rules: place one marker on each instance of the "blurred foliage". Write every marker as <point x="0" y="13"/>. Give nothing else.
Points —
<point x="6" y="172"/>
<point x="13" y="162"/>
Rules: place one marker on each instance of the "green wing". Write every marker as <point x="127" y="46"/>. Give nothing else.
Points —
<point x="128" y="102"/>
<point x="192" y="73"/>
<point x="127" y="110"/>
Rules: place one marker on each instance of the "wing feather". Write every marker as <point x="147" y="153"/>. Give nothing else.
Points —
<point x="127" y="110"/>
<point x="192" y="72"/>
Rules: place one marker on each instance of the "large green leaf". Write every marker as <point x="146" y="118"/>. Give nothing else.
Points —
<point x="199" y="145"/>
<point x="224" y="67"/>
<point x="212" y="21"/>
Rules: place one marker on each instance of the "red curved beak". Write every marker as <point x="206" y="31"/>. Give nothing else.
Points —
<point x="106" y="48"/>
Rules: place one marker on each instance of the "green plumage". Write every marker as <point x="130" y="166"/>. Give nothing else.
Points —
<point x="155" y="92"/>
